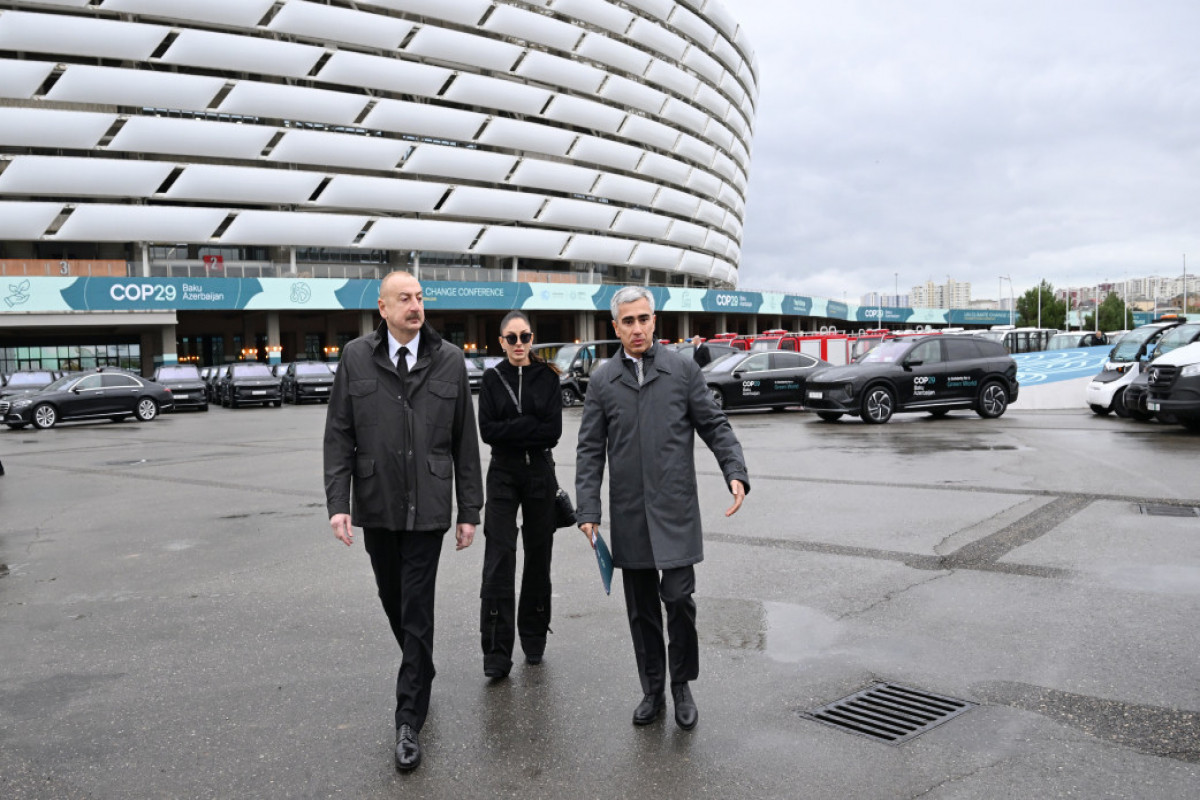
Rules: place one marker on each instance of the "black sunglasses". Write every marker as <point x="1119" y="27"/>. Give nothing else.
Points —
<point x="511" y="338"/>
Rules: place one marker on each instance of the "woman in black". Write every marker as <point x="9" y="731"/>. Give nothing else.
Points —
<point x="520" y="416"/>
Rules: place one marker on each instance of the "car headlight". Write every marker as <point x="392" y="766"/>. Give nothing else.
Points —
<point x="21" y="403"/>
<point x="1190" y="371"/>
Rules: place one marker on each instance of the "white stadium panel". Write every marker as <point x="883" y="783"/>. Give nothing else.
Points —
<point x="727" y="54"/>
<point x="596" y="150"/>
<point x="464" y="12"/>
<point x="740" y="182"/>
<point x="625" y="189"/>
<point x="20" y="79"/>
<point x="554" y="175"/>
<point x="710" y="213"/>
<point x="656" y="256"/>
<point x="666" y="169"/>
<point x="745" y="75"/>
<point x="82" y="36"/>
<point x="331" y="23"/>
<point x="600" y="13"/>
<point x="642" y="223"/>
<point x="424" y="119"/>
<point x="382" y="194"/>
<point x="626" y="92"/>
<point x="388" y="74"/>
<point x="134" y="87"/>
<point x="278" y="101"/>
<point x="740" y="154"/>
<point x="687" y="233"/>
<point x="533" y="27"/>
<point x="694" y="263"/>
<point x="676" y="202"/>
<point x="557" y="71"/>
<point x="236" y="13"/>
<point x="27" y="220"/>
<point x="516" y="134"/>
<point x="244" y="184"/>
<point x="597" y="47"/>
<point x="339" y="150"/>
<point x="731" y="86"/>
<point x="584" y="113"/>
<point x="724" y="166"/>
<point x="735" y="120"/>
<point x="603" y="249"/>
<point x="66" y="3"/>
<point x="475" y="201"/>
<point x="712" y="101"/>
<point x="480" y="90"/>
<point x="734" y="227"/>
<point x="685" y="114"/>
<point x="457" y="47"/>
<point x="527" y="242"/>
<point x="739" y="207"/>
<point x="421" y="234"/>
<point x="703" y="65"/>
<point x="742" y="40"/>
<point x="723" y="271"/>
<point x="121" y="223"/>
<point x="578" y="214"/>
<point x="83" y="177"/>
<point x="657" y="38"/>
<point x="42" y="127"/>
<point x="672" y="77"/>
<point x="292" y="228"/>
<point x="655" y="8"/>
<point x="703" y="183"/>
<point x="192" y="137"/>
<point x="649" y="132"/>
<point x="716" y="242"/>
<point x="689" y="146"/>
<point x="227" y="51"/>
<point x="693" y="26"/>
<point x="719" y="135"/>
<point x="719" y="15"/>
<point x="459" y="162"/>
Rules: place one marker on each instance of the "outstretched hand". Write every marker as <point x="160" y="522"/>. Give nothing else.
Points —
<point x="739" y="494"/>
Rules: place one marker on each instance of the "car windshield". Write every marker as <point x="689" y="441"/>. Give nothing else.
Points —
<point x="175" y="373"/>
<point x="885" y="353"/>
<point x="252" y="371"/>
<point x="315" y="368"/>
<point x="63" y="382"/>
<point x="564" y="357"/>
<point x="30" y="379"/>
<point x="1177" y="337"/>
<point x="1132" y="342"/>
<point x="1064" y="341"/>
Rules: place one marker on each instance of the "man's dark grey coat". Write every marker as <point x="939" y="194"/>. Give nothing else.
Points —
<point x="402" y="458"/>
<point x="647" y="434"/>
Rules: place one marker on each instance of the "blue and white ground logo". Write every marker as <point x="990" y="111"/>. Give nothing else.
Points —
<point x="1052" y="366"/>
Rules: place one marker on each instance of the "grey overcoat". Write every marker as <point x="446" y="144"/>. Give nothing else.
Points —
<point x="647" y="434"/>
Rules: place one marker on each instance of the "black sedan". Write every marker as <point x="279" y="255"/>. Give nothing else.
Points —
<point x="306" y="380"/>
<point x="773" y="379"/>
<point x="111" y="395"/>
<point x="186" y="385"/>
<point x="248" y="383"/>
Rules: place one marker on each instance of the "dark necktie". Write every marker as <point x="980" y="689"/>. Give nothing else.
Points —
<point x="402" y="362"/>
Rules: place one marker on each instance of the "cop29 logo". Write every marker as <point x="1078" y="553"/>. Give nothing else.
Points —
<point x="922" y="380"/>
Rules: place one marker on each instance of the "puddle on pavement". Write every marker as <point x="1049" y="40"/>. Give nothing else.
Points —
<point x="783" y="631"/>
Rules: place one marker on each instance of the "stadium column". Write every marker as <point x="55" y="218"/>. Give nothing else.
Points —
<point x="685" y="325"/>
<point x="366" y="322"/>
<point x="170" y="354"/>
<point x="146" y="266"/>
<point x="722" y="323"/>
<point x="273" y="344"/>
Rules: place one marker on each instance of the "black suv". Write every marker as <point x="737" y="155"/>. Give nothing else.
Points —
<point x="186" y="385"/>
<point x="248" y="383"/>
<point x="936" y="374"/>
<point x="306" y="380"/>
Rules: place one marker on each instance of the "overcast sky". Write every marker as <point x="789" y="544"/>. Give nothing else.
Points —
<point x="1055" y="139"/>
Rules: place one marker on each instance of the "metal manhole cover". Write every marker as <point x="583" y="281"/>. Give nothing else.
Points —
<point x="889" y="713"/>
<point x="1164" y="510"/>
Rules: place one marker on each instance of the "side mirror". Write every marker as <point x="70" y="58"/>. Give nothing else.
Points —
<point x="916" y="362"/>
<point x="737" y="375"/>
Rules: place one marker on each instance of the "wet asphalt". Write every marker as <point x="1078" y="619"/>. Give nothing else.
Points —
<point x="176" y="620"/>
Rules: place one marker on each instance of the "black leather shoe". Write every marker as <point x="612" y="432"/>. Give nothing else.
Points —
<point x="533" y="660"/>
<point x="648" y="710"/>
<point x="408" y="749"/>
<point x="686" y="713"/>
<point x="495" y="673"/>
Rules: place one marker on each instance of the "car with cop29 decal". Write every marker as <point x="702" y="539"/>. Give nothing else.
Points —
<point x="934" y="374"/>
<point x="772" y="379"/>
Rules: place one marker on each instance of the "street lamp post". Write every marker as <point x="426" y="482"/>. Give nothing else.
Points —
<point x="1012" y="303"/>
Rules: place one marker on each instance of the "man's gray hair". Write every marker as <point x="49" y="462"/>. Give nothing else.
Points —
<point x="630" y="294"/>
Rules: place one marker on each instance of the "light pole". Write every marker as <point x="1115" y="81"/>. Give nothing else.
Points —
<point x="1012" y="303"/>
<point x="897" y="300"/>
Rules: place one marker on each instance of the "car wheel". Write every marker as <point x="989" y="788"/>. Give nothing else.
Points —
<point x="878" y="405"/>
<point x="1118" y="404"/>
<point x="204" y="407"/>
<point x="44" y="416"/>
<point x="938" y="413"/>
<point x="147" y="409"/>
<point x="829" y="416"/>
<point x="993" y="400"/>
<point x="1192" y="425"/>
<point x="718" y="397"/>
<point x="277" y="403"/>
<point x="1140" y="415"/>
<point x="1100" y="411"/>
<point x="569" y="397"/>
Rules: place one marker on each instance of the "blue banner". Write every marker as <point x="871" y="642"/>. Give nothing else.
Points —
<point x="734" y="302"/>
<point x="977" y="316"/>
<point x="160" y="294"/>
<point x="797" y="306"/>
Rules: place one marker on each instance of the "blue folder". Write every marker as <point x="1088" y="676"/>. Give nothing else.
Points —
<point x="604" y="560"/>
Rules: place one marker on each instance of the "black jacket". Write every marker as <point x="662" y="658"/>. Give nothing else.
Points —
<point x="402" y="458"/>
<point x="537" y="425"/>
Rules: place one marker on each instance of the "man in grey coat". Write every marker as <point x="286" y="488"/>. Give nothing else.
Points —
<point x="400" y="437"/>
<point x="642" y="411"/>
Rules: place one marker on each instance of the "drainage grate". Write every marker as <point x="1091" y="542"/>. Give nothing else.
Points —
<point x="889" y="713"/>
<point x="1163" y="510"/>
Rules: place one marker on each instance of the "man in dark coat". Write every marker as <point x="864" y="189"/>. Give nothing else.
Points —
<point x="642" y="412"/>
<point x="400" y="439"/>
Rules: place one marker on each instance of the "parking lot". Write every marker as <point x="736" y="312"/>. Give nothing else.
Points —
<point x="178" y="621"/>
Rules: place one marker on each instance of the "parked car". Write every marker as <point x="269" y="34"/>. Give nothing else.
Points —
<point x="761" y="380"/>
<point x="1138" y="390"/>
<point x="248" y="383"/>
<point x="937" y="374"/>
<point x="575" y="362"/>
<point x="212" y="380"/>
<point x="1175" y="387"/>
<point x="93" y="394"/>
<point x="306" y="380"/>
<point x="715" y="350"/>
<point x="186" y="385"/>
<point x="24" y="382"/>
<point x="477" y="365"/>
<point x="1075" y="339"/>
<point x="1105" y="393"/>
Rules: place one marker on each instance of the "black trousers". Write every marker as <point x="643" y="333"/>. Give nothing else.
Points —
<point x="405" y="565"/>
<point x="645" y="595"/>
<point x="513" y="484"/>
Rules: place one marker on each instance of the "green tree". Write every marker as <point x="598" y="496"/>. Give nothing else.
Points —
<point x="1111" y="312"/>
<point x="1054" y="312"/>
